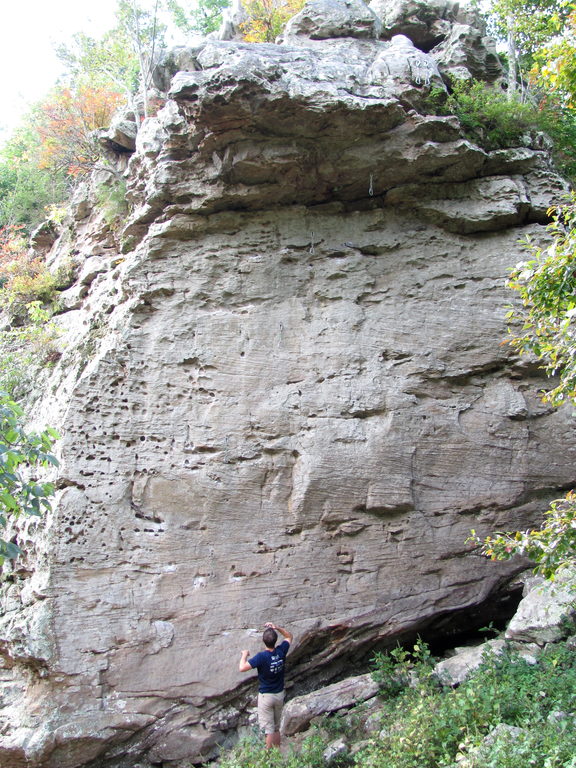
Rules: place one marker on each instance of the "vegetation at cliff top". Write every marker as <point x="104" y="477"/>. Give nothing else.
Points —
<point x="493" y="119"/>
<point x="508" y="714"/>
<point x="21" y="455"/>
<point x="58" y="140"/>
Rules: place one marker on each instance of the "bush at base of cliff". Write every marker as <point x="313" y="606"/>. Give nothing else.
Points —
<point x="251" y="753"/>
<point x="426" y="727"/>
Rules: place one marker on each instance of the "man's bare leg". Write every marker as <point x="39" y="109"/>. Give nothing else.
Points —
<point x="273" y="740"/>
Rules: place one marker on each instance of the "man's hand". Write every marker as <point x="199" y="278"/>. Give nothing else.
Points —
<point x="284" y="632"/>
<point x="244" y="666"/>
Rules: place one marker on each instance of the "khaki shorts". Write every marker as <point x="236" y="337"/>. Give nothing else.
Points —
<point x="270" y="711"/>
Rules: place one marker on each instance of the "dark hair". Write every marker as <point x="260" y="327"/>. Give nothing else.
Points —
<point x="269" y="637"/>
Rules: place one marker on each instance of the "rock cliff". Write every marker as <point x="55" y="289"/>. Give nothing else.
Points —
<point x="285" y="396"/>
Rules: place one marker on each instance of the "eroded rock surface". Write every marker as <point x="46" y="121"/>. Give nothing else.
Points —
<point x="285" y="397"/>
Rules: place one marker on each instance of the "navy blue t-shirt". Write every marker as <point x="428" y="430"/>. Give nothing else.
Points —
<point x="270" y="666"/>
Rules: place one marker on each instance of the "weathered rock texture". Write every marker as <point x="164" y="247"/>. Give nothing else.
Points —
<point x="286" y="399"/>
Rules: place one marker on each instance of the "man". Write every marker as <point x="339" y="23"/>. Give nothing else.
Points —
<point x="270" y="667"/>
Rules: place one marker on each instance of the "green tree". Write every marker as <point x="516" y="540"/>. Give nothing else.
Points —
<point x="109" y="62"/>
<point x="124" y="58"/>
<point x="545" y="325"/>
<point x="555" y="64"/>
<point x="26" y="189"/>
<point x="22" y="454"/>
<point x="68" y="124"/>
<point x="204" y="17"/>
<point x="145" y="31"/>
<point x="525" y="26"/>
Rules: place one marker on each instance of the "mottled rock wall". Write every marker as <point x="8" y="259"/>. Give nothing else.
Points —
<point x="285" y="398"/>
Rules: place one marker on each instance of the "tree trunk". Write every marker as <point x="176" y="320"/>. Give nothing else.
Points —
<point x="512" y="58"/>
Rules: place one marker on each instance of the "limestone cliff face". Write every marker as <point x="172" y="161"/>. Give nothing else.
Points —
<point x="286" y="399"/>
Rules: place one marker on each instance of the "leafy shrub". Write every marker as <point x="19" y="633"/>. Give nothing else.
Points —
<point x="111" y="199"/>
<point x="492" y="119"/>
<point x="429" y="727"/>
<point x="251" y="753"/>
<point x="489" y="116"/>
<point x="21" y="453"/>
<point x="25" y="349"/>
<point x="393" y="670"/>
<point x="551" y="547"/>
<point x="24" y="277"/>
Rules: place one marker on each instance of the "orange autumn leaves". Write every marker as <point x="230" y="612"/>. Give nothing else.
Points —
<point x="67" y="125"/>
<point x="68" y="120"/>
<point x="267" y="18"/>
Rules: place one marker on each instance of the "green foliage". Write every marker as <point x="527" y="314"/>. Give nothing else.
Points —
<point x="393" y="670"/>
<point x="544" y="325"/>
<point x="488" y="117"/>
<point x="555" y="63"/>
<point x="559" y="122"/>
<point x="494" y="120"/>
<point x="111" y="199"/>
<point x="526" y="26"/>
<point x="430" y="727"/>
<point x="140" y="23"/>
<point x="108" y="62"/>
<point x="251" y="753"/>
<point x="25" y="349"/>
<point x="546" y="284"/>
<point x="26" y="189"/>
<point x="551" y="547"/>
<point x="204" y="17"/>
<point x="28" y="292"/>
<point x="21" y="453"/>
<point x="267" y="18"/>
<point x="531" y="22"/>
<point x="24" y="277"/>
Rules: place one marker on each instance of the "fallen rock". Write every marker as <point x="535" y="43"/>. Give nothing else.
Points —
<point x="335" y="749"/>
<point x="457" y="668"/>
<point x="299" y="711"/>
<point x="544" y="614"/>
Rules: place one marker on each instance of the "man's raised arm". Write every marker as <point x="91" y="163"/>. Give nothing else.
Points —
<point x="284" y="632"/>
<point x="244" y="666"/>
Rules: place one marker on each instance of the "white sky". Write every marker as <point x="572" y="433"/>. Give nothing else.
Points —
<point x="31" y="29"/>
